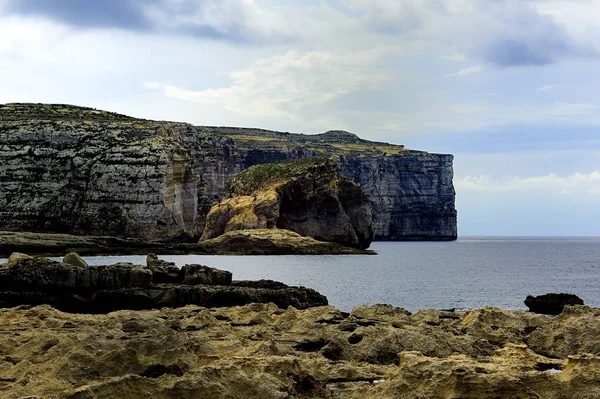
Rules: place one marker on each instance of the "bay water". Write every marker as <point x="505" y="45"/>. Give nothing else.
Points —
<point x="468" y="273"/>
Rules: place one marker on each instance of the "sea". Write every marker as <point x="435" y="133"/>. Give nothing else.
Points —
<point x="468" y="273"/>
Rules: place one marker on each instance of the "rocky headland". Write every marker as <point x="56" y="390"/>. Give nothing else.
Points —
<point x="264" y="351"/>
<point x="80" y="171"/>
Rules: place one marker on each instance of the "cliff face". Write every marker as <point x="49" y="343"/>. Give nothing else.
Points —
<point x="69" y="169"/>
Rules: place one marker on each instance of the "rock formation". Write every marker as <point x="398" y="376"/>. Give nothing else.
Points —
<point x="75" y="170"/>
<point x="306" y="196"/>
<point x="552" y="304"/>
<point x="262" y="351"/>
<point x="274" y="242"/>
<point x="102" y="289"/>
<point x="241" y="242"/>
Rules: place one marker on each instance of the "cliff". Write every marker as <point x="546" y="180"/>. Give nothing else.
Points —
<point x="75" y="170"/>
<point x="307" y="196"/>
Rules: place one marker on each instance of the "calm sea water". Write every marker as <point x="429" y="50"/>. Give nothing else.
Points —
<point x="468" y="273"/>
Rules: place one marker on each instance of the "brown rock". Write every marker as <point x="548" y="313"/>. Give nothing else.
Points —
<point x="274" y="242"/>
<point x="73" y="259"/>
<point x="262" y="351"/>
<point x="15" y="257"/>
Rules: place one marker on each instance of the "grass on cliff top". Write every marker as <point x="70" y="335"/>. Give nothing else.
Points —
<point x="32" y="111"/>
<point x="331" y="143"/>
<point x="270" y="175"/>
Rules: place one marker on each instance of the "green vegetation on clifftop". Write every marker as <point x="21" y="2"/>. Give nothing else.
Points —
<point x="272" y="174"/>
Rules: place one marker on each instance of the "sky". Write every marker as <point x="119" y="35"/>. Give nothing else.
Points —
<point x="509" y="87"/>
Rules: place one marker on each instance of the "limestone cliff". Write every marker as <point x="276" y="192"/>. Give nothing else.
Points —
<point x="67" y="169"/>
<point x="307" y="196"/>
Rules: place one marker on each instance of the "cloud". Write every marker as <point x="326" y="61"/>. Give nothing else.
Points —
<point x="546" y="88"/>
<point x="503" y="33"/>
<point x="293" y="86"/>
<point x="574" y="184"/>
<point x="240" y="21"/>
<point x="467" y="71"/>
<point x="454" y="57"/>
<point x="106" y="13"/>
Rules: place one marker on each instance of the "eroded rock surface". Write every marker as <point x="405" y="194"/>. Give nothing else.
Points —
<point x="262" y="351"/>
<point x="306" y="196"/>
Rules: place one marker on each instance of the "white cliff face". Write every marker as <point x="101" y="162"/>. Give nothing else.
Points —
<point x="412" y="195"/>
<point x="117" y="177"/>
<point x="68" y="169"/>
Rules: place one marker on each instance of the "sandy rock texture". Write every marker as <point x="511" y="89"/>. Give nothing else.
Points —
<point x="262" y="351"/>
<point x="306" y="196"/>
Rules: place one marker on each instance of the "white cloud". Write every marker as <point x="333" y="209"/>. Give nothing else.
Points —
<point x="500" y="33"/>
<point x="546" y="88"/>
<point x="454" y="57"/>
<point x="292" y="86"/>
<point x="235" y="20"/>
<point x="467" y="71"/>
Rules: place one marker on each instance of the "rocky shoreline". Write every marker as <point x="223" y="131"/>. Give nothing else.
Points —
<point x="160" y="331"/>
<point x="45" y="244"/>
<point x="74" y="286"/>
<point x="263" y="351"/>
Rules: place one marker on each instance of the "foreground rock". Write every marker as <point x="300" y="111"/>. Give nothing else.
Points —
<point x="262" y="351"/>
<point x="274" y="242"/>
<point x="102" y="289"/>
<point x="306" y="196"/>
<point x="551" y="304"/>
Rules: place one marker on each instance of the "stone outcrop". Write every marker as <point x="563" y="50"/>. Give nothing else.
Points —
<point x="306" y="196"/>
<point x="75" y="170"/>
<point x="102" y="289"/>
<point x="551" y="304"/>
<point x="262" y="351"/>
<point x="74" y="259"/>
<point x="274" y="242"/>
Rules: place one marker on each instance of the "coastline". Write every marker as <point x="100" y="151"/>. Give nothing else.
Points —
<point x="49" y="244"/>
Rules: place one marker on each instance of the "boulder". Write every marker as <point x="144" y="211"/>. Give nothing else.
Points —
<point x="163" y="272"/>
<point x="200" y="274"/>
<point x="16" y="257"/>
<point x="73" y="259"/>
<point x="551" y="304"/>
<point x="306" y="196"/>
